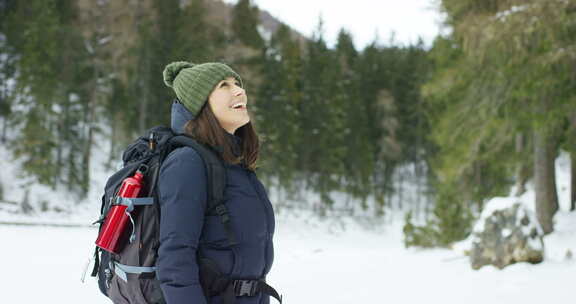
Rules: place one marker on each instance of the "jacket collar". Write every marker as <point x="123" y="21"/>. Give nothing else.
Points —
<point x="236" y="143"/>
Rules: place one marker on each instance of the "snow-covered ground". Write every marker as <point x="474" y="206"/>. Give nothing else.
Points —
<point x="315" y="262"/>
<point x="334" y="260"/>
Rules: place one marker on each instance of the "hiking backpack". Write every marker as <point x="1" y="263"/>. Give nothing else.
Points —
<point x="129" y="276"/>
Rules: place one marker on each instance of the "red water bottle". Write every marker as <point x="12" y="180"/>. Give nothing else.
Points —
<point x="117" y="218"/>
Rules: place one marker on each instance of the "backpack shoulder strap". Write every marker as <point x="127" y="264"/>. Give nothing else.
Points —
<point x="216" y="173"/>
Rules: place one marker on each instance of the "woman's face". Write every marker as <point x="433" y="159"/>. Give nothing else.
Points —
<point x="228" y="102"/>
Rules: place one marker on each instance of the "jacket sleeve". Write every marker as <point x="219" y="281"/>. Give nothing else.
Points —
<point x="183" y="196"/>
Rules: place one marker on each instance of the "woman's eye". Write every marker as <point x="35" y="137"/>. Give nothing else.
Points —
<point x="225" y="83"/>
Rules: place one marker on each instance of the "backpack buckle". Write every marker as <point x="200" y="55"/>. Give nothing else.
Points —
<point x="222" y="211"/>
<point x="245" y="287"/>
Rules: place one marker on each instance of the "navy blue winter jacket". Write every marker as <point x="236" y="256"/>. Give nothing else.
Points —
<point x="185" y="230"/>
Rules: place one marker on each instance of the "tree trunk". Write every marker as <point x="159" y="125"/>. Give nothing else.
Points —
<point x="572" y="181"/>
<point x="545" y="182"/>
<point x="4" y="127"/>
<point x="86" y="158"/>
<point x="572" y="149"/>
<point x="418" y="179"/>
<point x="400" y="189"/>
<point x="89" y="121"/>
<point x="143" y="68"/>
<point x="523" y="170"/>
<point x="143" y="110"/>
<point x="478" y="181"/>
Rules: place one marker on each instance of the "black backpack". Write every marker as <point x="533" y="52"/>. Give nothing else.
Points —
<point x="129" y="277"/>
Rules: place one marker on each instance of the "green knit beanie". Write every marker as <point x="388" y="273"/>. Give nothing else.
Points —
<point x="193" y="83"/>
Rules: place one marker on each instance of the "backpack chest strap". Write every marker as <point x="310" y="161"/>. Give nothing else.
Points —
<point x="122" y="270"/>
<point x="130" y="202"/>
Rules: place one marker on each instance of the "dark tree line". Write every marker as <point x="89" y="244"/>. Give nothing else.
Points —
<point x="332" y="120"/>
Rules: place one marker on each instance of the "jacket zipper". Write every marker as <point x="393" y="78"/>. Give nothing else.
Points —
<point x="251" y="176"/>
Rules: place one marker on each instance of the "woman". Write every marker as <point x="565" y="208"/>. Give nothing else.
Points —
<point x="212" y="109"/>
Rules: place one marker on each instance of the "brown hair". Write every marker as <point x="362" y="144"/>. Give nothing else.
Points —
<point x="206" y="129"/>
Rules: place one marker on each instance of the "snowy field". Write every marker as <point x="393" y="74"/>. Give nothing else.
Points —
<point x="315" y="262"/>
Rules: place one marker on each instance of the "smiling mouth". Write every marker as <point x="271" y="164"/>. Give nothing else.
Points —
<point x="240" y="107"/>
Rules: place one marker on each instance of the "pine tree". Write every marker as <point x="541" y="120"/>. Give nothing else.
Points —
<point x="503" y="75"/>
<point x="323" y="120"/>
<point x="7" y="70"/>
<point x="51" y="110"/>
<point x="278" y="115"/>
<point x="361" y="158"/>
<point x="168" y="33"/>
<point x="245" y="20"/>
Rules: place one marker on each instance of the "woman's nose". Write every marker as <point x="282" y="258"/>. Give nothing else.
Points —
<point x="238" y="91"/>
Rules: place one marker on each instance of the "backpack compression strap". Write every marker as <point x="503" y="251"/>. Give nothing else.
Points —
<point x="217" y="180"/>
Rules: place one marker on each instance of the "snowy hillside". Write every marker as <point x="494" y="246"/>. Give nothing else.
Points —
<point x="46" y="205"/>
